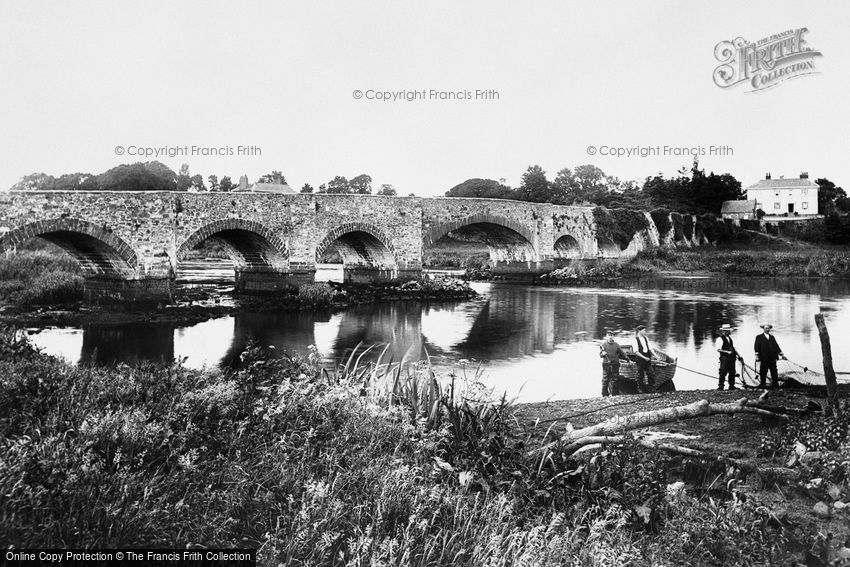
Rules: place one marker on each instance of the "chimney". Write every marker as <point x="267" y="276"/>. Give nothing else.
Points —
<point x="767" y="176"/>
<point x="804" y="175"/>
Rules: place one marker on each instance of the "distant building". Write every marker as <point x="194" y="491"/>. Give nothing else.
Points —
<point x="739" y="210"/>
<point x="262" y="187"/>
<point x="785" y="198"/>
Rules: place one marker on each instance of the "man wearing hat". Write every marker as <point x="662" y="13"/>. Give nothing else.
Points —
<point x="767" y="353"/>
<point x="726" y="349"/>
<point x="610" y="353"/>
<point x="646" y="374"/>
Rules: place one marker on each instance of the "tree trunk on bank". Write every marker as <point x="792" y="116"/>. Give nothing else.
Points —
<point x="828" y="370"/>
<point x="617" y="425"/>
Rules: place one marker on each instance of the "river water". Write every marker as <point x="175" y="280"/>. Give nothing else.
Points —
<point x="533" y="342"/>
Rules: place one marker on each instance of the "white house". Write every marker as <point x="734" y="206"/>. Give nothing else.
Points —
<point x="795" y="197"/>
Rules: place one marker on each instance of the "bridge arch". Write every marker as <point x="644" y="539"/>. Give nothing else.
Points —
<point x="567" y="247"/>
<point x="367" y="252"/>
<point x="250" y="245"/>
<point x="359" y="243"/>
<point x="438" y="231"/>
<point x="505" y="246"/>
<point x="98" y="250"/>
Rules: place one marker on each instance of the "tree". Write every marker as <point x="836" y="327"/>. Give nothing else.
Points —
<point x="307" y="188"/>
<point x="274" y="177"/>
<point x="196" y="182"/>
<point x="338" y="185"/>
<point x="535" y="187"/>
<point x="362" y="184"/>
<point x="32" y="182"/>
<point x="565" y="188"/>
<point x="830" y="197"/>
<point x="693" y="191"/>
<point x="226" y="184"/>
<point x="213" y="181"/>
<point x="184" y="180"/>
<point x="387" y="190"/>
<point x="322" y="188"/>
<point x="481" y="188"/>
<point x="149" y="176"/>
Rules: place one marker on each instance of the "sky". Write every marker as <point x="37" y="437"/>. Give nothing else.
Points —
<point x="88" y="85"/>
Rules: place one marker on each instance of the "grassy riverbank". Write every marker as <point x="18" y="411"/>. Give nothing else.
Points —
<point x="33" y="277"/>
<point x="348" y="468"/>
<point x="778" y="261"/>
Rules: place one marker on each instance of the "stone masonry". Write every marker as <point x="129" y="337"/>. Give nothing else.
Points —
<point x="131" y="243"/>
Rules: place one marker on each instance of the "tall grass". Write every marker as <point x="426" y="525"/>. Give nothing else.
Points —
<point x="39" y="276"/>
<point x="378" y="463"/>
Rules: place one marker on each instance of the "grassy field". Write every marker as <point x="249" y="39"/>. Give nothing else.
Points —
<point x="365" y="465"/>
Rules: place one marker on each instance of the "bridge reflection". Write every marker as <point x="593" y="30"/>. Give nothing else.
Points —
<point x="521" y="333"/>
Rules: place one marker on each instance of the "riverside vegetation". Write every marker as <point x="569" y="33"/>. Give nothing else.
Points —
<point x="370" y="464"/>
<point x="769" y="262"/>
<point x="46" y="277"/>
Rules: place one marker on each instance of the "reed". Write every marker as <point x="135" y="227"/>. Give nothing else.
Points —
<point x="377" y="461"/>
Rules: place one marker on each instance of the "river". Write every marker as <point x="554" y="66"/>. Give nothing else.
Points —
<point x="533" y="342"/>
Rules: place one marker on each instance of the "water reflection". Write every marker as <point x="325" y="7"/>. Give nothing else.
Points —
<point x="533" y="341"/>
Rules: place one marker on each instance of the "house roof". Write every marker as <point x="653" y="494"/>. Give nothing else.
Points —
<point x="782" y="184"/>
<point x="738" y="206"/>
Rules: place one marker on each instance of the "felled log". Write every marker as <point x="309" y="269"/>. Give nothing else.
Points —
<point x="618" y="425"/>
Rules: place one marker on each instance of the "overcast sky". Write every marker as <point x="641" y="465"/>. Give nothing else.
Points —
<point x="80" y="78"/>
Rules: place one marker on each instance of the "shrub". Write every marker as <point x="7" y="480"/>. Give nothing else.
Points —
<point x="661" y="218"/>
<point x="620" y="225"/>
<point x="316" y="294"/>
<point x="688" y="226"/>
<point x="678" y="226"/>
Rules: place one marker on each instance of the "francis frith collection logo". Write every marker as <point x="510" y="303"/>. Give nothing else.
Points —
<point x="765" y="63"/>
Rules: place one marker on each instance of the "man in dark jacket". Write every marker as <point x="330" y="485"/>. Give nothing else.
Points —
<point x="643" y="360"/>
<point x="767" y="353"/>
<point x="726" y="349"/>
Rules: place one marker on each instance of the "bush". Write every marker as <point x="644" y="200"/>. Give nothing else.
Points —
<point x="661" y="218"/>
<point x="678" y="226"/>
<point x="316" y="294"/>
<point x="620" y="225"/>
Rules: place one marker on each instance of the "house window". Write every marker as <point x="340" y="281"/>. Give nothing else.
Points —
<point x="805" y="205"/>
<point x="805" y="191"/>
<point x="777" y="193"/>
<point x="777" y="206"/>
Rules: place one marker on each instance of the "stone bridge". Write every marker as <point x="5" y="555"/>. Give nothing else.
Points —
<point x="130" y="244"/>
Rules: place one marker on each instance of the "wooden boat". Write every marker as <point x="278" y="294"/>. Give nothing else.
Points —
<point x="663" y="364"/>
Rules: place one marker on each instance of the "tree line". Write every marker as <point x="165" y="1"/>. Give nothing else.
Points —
<point x="690" y="191"/>
<point x="156" y="176"/>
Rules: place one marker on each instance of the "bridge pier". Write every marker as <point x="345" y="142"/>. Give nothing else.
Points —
<point x="99" y="289"/>
<point x="521" y="268"/>
<point x="268" y="281"/>
<point x="367" y="274"/>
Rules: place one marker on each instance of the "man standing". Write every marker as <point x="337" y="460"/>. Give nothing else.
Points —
<point x="767" y="353"/>
<point x="646" y="374"/>
<point x="726" y="349"/>
<point x="610" y="352"/>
